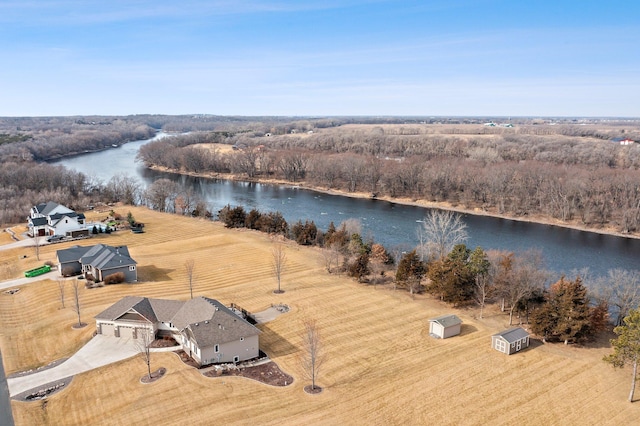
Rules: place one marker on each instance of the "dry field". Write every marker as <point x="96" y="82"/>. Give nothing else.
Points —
<point x="381" y="366"/>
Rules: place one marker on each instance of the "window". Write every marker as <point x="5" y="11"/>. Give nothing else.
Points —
<point x="236" y="358"/>
<point x="132" y="267"/>
<point x="216" y="348"/>
<point x="242" y="339"/>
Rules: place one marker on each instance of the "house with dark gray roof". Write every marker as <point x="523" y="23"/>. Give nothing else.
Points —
<point x="510" y="341"/>
<point x="445" y="326"/>
<point x="48" y="219"/>
<point x="208" y="331"/>
<point x="99" y="260"/>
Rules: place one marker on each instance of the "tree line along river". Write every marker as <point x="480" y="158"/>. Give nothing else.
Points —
<point x="394" y="225"/>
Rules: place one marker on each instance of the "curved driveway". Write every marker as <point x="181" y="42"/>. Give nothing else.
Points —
<point x="99" y="351"/>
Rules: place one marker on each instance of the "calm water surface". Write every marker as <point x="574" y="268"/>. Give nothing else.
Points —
<point x="393" y="225"/>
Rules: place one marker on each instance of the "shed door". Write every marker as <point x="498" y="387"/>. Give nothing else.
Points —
<point x="518" y="345"/>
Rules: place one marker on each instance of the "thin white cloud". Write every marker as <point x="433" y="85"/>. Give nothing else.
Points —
<point x="78" y="12"/>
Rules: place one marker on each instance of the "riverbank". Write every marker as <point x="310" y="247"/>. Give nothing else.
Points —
<point x="537" y="219"/>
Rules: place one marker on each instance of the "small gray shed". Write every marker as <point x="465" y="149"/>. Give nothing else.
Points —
<point x="510" y="341"/>
<point x="444" y="326"/>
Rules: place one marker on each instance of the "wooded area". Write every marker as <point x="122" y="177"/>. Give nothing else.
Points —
<point x="562" y="169"/>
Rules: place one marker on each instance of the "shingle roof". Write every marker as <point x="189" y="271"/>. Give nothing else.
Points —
<point x="46" y="208"/>
<point x="72" y="254"/>
<point x="120" y="307"/>
<point x="100" y="256"/>
<point x="38" y="221"/>
<point x="207" y="320"/>
<point x="165" y="309"/>
<point x="513" y="334"/>
<point x="447" y="320"/>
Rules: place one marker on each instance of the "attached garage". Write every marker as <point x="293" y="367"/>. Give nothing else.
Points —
<point x="126" y="332"/>
<point x="106" y="329"/>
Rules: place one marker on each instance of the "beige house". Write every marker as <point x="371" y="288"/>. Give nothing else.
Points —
<point x="445" y="326"/>
<point x="208" y="331"/>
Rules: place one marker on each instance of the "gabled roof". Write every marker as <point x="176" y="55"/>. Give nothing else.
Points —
<point x="513" y="334"/>
<point x="55" y="218"/>
<point x="46" y="208"/>
<point x="165" y="309"/>
<point x="119" y="308"/>
<point x="38" y="221"/>
<point x="210" y="322"/>
<point x="100" y="256"/>
<point x="447" y="320"/>
<point x="206" y="320"/>
<point x="72" y="254"/>
<point x="152" y="309"/>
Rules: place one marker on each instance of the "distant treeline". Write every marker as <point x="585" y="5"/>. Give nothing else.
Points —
<point x="564" y="168"/>
<point x="573" y="176"/>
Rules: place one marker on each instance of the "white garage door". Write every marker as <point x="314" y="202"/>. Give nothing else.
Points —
<point x="107" y="329"/>
<point x="126" y="332"/>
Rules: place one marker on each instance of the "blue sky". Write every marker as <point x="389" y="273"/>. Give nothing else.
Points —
<point x="318" y="58"/>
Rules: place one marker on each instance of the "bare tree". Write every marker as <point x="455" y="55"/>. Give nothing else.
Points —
<point x="144" y="338"/>
<point x="621" y="290"/>
<point x="518" y="277"/>
<point x="442" y="229"/>
<point x="76" y="302"/>
<point x="36" y="245"/>
<point x="189" y="267"/>
<point x="312" y="357"/>
<point x="331" y="254"/>
<point x="61" y="288"/>
<point x="278" y="264"/>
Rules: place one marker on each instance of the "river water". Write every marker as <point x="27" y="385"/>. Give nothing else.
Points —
<point x="394" y="225"/>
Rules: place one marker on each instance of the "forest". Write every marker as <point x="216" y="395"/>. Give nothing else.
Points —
<point x="566" y="169"/>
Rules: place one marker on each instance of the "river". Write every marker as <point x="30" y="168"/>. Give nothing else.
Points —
<point x="394" y="225"/>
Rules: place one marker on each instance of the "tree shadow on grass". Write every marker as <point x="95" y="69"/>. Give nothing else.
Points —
<point x="274" y="344"/>
<point x="153" y="273"/>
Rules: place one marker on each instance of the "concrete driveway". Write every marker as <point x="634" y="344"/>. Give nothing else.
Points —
<point x="99" y="351"/>
<point x="53" y="275"/>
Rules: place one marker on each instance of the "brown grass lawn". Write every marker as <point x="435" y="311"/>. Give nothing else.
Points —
<point x="381" y="366"/>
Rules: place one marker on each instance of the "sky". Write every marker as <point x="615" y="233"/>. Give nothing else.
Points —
<point x="320" y="57"/>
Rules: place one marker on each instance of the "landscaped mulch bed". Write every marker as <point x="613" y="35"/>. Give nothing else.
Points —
<point x="155" y="375"/>
<point x="268" y="373"/>
<point x="163" y="343"/>
<point x="44" y="391"/>
<point x="186" y="359"/>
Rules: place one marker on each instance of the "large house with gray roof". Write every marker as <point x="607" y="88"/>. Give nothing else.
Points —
<point x="99" y="261"/>
<point x="208" y="331"/>
<point x="48" y="219"/>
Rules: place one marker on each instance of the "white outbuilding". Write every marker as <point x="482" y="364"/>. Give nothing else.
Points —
<point x="445" y="326"/>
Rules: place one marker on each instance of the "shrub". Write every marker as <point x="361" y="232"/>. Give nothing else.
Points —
<point x="68" y="271"/>
<point x="116" y="278"/>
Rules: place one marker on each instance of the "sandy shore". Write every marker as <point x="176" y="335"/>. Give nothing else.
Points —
<point x="539" y="219"/>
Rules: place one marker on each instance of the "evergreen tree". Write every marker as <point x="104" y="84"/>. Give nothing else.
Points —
<point x="626" y="347"/>
<point x="410" y="271"/>
<point x="566" y="315"/>
<point x="452" y="278"/>
<point x="360" y="268"/>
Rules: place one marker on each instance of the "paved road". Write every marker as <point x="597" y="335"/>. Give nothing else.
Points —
<point x="6" y="417"/>
<point x="99" y="351"/>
